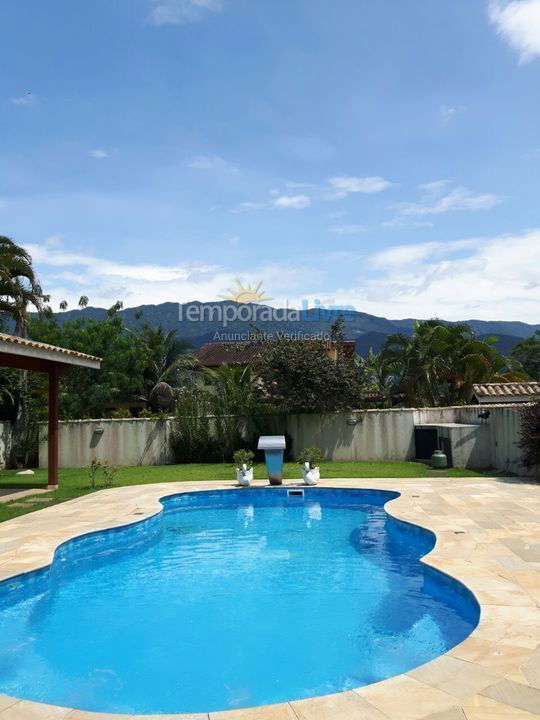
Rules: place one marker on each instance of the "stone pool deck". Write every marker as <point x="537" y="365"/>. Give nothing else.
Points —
<point x="488" y="536"/>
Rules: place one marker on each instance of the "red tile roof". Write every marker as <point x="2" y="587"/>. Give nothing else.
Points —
<point x="234" y="353"/>
<point x="506" y="390"/>
<point x="19" y="344"/>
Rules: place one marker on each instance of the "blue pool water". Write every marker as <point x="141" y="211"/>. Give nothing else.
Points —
<point x="230" y="599"/>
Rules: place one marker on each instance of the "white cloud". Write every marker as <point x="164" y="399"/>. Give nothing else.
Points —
<point x="24" y="100"/>
<point x="294" y="202"/>
<point x="482" y="278"/>
<point x="447" y="114"/>
<point x="211" y="162"/>
<point x="404" y="222"/>
<point x="458" y="199"/>
<point x="67" y="275"/>
<point x="518" y="22"/>
<point x="343" y="186"/>
<point x="347" y="229"/>
<point x="180" y="12"/>
<point x="247" y="206"/>
<point x="99" y="154"/>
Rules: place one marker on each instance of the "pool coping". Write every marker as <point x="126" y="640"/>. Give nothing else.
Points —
<point x="487" y="537"/>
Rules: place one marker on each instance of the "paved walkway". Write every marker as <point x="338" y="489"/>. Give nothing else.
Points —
<point x="488" y="536"/>
<point x="9" y="494"/>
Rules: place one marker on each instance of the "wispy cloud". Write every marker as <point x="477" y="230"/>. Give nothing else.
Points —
<point x="518" y="23"/>
<point x="248" y="206"/>
<point x="211" y="162"/>
<point x="340" y="187"/>
<point x="347" y="229"/>
<point x="294" y="202"/>
<point x="460" y="198"/>
<point x="180" y="12"/>
<point x="24" y="100"/>
<point x="279" y="202"/>
<point x="98" y="154"/>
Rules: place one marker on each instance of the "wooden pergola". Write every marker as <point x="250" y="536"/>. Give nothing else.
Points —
<point x="24" y="354"/>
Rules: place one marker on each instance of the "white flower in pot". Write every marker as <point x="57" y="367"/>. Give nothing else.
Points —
<point x="310" y="458"/>
<point x="244" y="467"/>
<point x="311" y="475"/>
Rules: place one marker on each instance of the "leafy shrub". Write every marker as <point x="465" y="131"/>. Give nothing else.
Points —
<point x="243" y="457"/>
<point x="529" y="432"/>
<point x="192" y="439"/>
<point x="122" y="414"/>
<point x="102" y="474"/>
<point x="311" y="455"/>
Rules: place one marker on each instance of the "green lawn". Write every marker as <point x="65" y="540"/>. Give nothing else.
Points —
<point x="75" y="482"/>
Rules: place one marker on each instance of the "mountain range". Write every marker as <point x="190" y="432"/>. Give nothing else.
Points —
<point x="366" y="330"/>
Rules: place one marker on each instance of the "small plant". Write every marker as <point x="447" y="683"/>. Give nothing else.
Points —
<point x="243" y="457"/>
<point x="311" y="455"/>
<point x="103" y="470"/>
<point x="93" y="470"/>
<point x="109" y="473"/>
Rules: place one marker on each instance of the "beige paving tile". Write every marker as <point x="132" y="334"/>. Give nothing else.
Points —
<point x="404" y="698"/>
<point x="343" y="706"/>
<point x="482" y="708"/>
<point x="452" y="714"/>
<point x="6" y="701"/>
<point x="271" y="712"/>
<point x="25" y="710"/>
<point x="454" y="676"/>
<point x="516" y="695"/>
<point x="531" y="669"/>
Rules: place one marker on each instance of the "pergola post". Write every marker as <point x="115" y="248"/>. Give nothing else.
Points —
<point x="54" y="391"/>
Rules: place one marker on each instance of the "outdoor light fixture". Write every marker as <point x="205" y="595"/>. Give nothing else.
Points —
<point x="98" y="431"/>
<point x="484" y="415"/>
<point x="352" y="420"/>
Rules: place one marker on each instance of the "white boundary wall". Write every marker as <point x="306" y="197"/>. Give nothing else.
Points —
<point x="370" y="435"/>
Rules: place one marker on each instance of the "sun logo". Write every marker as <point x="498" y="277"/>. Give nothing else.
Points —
<point x="245" y="293"/>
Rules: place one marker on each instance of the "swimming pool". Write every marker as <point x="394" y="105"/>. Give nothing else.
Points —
<point x="230" y="599"/>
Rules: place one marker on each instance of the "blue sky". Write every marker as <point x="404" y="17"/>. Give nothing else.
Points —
<point x="381" y="154"/>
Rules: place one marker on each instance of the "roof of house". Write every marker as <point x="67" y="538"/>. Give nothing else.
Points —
<point x="14" y="345"/>
<point x="235" y="353"/>
<point x="507" y="390"/>
<point x="231" y="353"/>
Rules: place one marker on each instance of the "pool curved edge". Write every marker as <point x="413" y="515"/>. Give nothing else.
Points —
<point x="466" y="671"/>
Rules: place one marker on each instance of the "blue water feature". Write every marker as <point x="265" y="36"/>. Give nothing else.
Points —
<point x="230" y="599"/>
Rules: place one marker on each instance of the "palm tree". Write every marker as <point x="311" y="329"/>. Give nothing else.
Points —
<point x="233" y="399"/>
<point x="63" y="305"/>
<point x="440" y="363"/>
<point x="19" y="286"/>
<point x="83" y="301"/>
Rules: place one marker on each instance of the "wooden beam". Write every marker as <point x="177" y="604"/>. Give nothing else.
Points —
<point x="22" y="362"/>
<point x="54" y="392"/>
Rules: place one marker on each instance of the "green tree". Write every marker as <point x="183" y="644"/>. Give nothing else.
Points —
<point x="440" y="363"/>
<point x="308" y="376"/>
<point x="19" y="285"/>
<point x="527" y="353"/>
<point x="87" y="393"/>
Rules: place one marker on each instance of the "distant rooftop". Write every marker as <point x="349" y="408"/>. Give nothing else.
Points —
<point x="234" y="353"/>
<point x="506" y="392"/>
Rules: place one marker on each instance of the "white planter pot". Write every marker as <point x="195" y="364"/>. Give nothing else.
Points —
<point x="311" y="475"/>
<point x="244" y="477"/>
